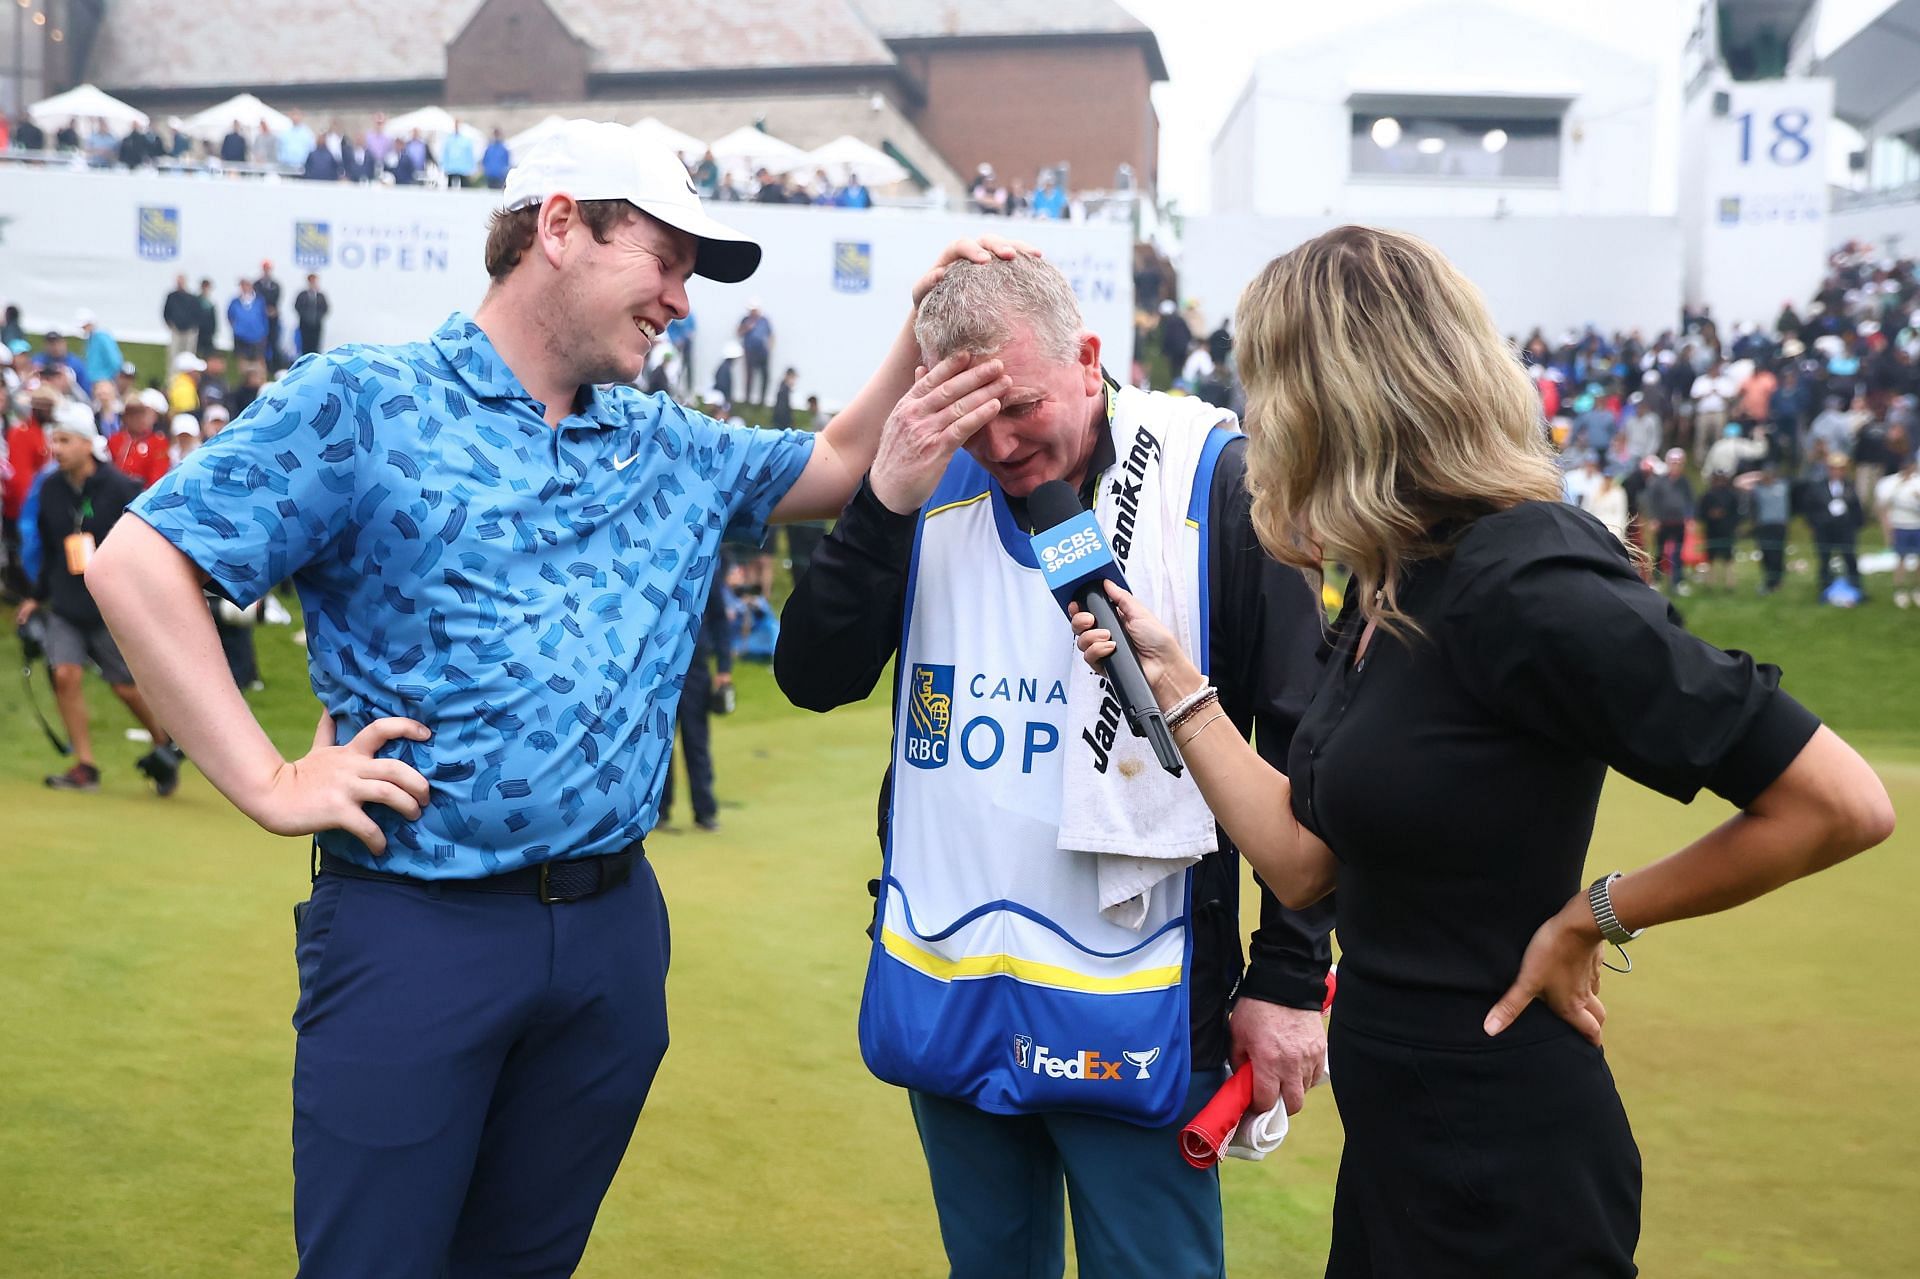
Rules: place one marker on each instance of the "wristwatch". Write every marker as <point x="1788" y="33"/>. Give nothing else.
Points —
<point x="1601" y="899"/>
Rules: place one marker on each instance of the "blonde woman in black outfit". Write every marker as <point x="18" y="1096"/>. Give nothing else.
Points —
<point x="1496" y="655"/>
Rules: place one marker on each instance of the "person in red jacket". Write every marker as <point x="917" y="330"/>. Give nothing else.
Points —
<point x="26" y="455"/>
<point x="137" y="448"/>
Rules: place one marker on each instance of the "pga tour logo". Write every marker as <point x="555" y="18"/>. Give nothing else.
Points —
<point x="1087" y="1064"/>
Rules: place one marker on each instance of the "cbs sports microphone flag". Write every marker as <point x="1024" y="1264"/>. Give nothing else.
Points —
<point x="994" y="979"/>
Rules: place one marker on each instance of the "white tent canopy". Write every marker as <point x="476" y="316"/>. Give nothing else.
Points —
<point x="684" y="144"/>
<point x="525" y="140"/>
<point x="84" y="104"/>
<point x="847" y="154"/>
<point x="213" y="123"/>
<point x="434" y="123"/>
<point x="748" y="148"/>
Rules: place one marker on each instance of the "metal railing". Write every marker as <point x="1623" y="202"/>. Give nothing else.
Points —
<point x="1090" y="206"/>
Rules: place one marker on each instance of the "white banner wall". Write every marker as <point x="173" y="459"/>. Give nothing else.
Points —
<point x="1759" y="208"/>
<point x="835" y="283"/>
<point x="1558" y="273"/>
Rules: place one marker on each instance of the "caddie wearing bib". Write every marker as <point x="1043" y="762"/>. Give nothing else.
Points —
<point x="1056" y="939"/>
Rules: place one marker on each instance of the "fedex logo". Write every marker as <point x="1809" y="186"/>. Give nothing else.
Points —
<point x="1087" y="1064"/>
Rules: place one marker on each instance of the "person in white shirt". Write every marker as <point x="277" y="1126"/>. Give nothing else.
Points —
<point x="1730" y="450"/>
<point x="1583" y="479"/>
<point x="1607" y="502"/>
<point x="1712" y="392"/>
<point x="1898" y="499"/>
<point x="1198" y="368"/>
<point x="185" y="434"/>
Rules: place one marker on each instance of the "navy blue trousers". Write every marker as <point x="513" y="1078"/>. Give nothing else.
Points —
<point x="468" y="1072"/>
<point x="1002" y="1185"/>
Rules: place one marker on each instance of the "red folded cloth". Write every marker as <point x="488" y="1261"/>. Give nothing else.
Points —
<point x="1202" y="1140"/>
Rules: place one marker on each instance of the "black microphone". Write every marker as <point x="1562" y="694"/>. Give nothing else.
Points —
<point x="1075" y="560"/>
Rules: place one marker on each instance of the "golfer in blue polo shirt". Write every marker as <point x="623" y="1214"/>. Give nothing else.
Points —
<point x="503" y="551"/>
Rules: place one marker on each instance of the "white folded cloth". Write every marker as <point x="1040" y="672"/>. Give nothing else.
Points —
<point x="1257" y="1136"/>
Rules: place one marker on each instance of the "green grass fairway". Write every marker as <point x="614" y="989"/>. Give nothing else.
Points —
<point x="1768" y="1058"/>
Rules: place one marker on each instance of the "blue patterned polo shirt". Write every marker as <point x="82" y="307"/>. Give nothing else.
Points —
<point x="530" y="593"/>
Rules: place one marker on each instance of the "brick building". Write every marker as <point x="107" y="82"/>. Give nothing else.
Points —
<point x="1026" y="85"/>
<point x="1021" y="84"/>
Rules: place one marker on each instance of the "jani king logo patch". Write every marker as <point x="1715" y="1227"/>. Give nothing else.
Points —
<point x="929" y="715"/>
<point x="312" y="245"/>
<point x="159" y="233"/>
<point x="852" y="266"/>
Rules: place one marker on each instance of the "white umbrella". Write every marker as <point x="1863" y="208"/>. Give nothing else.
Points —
<point x="213" y="123"/>
<point x="848" y="154"/>
<point x="526" y="139"/>
<point x="671" y="138"/>
<point x="85" y="103"/>
<point x="751" y="149"/>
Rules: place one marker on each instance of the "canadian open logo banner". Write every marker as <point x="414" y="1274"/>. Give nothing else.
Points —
<point x="399" y="247"/>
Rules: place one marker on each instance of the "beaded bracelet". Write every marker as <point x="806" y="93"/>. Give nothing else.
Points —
<point x="1185" y="709"/>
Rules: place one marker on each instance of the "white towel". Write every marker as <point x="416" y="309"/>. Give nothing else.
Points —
<point x="1257" y="1136"/>
<point x="1145" y="823"/>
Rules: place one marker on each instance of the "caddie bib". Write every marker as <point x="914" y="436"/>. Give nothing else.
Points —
<point x="993" y="977"/>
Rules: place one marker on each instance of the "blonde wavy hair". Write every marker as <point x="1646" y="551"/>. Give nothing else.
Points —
<point x="1381" y="403"/>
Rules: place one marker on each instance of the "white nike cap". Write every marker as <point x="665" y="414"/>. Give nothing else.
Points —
<point x="597" y="160"/>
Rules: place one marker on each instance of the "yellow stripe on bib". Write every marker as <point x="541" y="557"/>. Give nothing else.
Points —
<point x="1028" y="970"/>
<point x="954" y="506"/>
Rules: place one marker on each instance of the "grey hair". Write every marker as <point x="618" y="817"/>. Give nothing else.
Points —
<point x="977" y="305"/>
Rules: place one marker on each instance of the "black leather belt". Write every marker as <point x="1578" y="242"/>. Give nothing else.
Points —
<point x="553" y="882"/>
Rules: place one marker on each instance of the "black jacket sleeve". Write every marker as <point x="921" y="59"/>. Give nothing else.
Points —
<point x="841" y="625"/>
<point x="1267" y="627"/>
<point x="717" y="631"/>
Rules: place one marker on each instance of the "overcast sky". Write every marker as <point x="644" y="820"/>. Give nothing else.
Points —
<point x="1211" y="46"/>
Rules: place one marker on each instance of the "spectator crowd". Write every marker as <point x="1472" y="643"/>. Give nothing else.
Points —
<point x="332" y="154"/>
<point x="464" y="158"/>
<point x="1700" y="445"/>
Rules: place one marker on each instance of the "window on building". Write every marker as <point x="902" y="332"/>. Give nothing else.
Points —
<point x="1895" y="161"/>
<point x="1470" y="148"/>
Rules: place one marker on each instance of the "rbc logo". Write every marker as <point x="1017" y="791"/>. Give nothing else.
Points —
<point x="929" y="715"/>
<point x="159" y="233"/>
<point x="852" y="266"/>
<point x="312" y="245"/>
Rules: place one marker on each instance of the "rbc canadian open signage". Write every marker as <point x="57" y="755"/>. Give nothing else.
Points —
<point x="159" y="233"/>
<point x="407" y="248"/>
<point x="312" y="245"/>
<point x="852" y="266"/>
<point x="1760" y="180"/>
